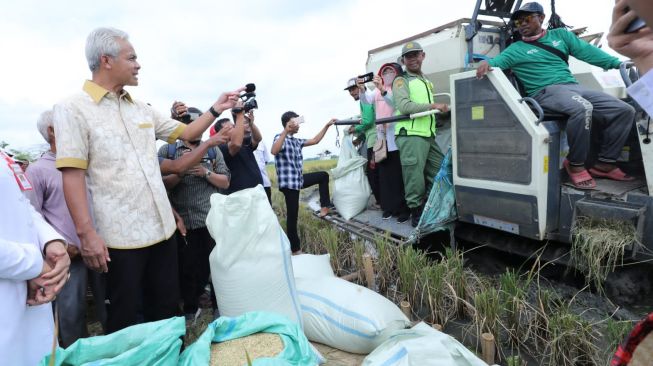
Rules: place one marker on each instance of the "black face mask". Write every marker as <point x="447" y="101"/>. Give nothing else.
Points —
<point x="247" y="140"/>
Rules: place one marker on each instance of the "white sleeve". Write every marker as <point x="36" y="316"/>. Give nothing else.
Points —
<point x="19" y="261"/>
<point x="367" y="97"/>
<point x="642" y="92"/>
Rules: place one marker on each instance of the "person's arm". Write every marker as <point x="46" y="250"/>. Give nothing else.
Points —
<point x="277" y="145"/>
<point x="256" y="133"/>
<point x="20" y="261"/>
<point x="94" y="249"/>
<point x="315" y="140"/>
<point x="186" y="161"/>
<point x="237" y="134"/>
<point x="638" y="46"/>
<point x="368" y="116"/>
<point x="588" y="52"/>
<point x="180" y="222"/>
<point x="195" y="129"/>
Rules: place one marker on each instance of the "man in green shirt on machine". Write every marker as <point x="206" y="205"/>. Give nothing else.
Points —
<point x="540" y="62"/>
<point x="419" y="154"/>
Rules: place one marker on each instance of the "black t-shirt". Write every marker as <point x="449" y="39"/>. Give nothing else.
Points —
<point x="243" y="167"/>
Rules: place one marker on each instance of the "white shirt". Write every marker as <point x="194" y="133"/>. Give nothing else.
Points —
<point x="262" y="158"/>
<point x="25" y="331"/>
<point x="642" y="92"/>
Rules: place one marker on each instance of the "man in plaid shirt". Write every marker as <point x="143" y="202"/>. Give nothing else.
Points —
<point x="288" y="162"/>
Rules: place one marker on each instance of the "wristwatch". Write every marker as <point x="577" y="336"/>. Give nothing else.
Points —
<point x="215" y="113"/>
<point x="207" y="174"/>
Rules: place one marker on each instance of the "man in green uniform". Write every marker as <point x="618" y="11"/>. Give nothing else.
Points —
<point x="420" y="155"/>
<point x="540" y="62"/>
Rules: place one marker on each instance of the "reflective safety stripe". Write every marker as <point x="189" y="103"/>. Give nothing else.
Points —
<point x="421" y="92"/>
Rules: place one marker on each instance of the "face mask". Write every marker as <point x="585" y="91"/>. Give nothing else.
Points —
<point x="388" y="77"/>
<point x="247" y="140"/>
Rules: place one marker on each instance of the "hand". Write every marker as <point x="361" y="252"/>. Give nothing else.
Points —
<point x="222" y="137"/>
<point x="637" y="45"/>
<point x="198" y="170"/>
<point x="56" y="256"/>
<point x="291" y="126"/>
<point x="442" y="107"/>
<point x="331" y="122"/>
<point x="250" y="115"/>
<point x="179" y="109"/>
<point x="37" y="293"/>
<point x="73" y="251"/>
<point x="483" y="69"/>
<point x="180" y="225"/>
<point x="378" y="82"/>
<point x="227" y="100"/>
<point x="94" y="251"/>
<point x="351" y="130"/>
<point x="239" y="104"/>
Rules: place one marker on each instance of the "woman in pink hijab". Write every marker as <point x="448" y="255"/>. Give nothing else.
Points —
<point x="390" y="179"/>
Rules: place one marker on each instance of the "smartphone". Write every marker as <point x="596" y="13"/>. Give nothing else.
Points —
<point x="299" y="119"/>
<point x="367" y="77"/>
<point x="635" y="25"/>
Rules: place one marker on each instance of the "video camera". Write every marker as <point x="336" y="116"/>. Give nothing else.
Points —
<point x="249" y="99"/>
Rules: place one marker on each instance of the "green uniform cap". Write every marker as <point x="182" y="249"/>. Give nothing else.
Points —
<point x="410" y="47"/>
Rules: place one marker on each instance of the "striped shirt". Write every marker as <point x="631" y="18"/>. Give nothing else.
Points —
<point x="191" y="197"/>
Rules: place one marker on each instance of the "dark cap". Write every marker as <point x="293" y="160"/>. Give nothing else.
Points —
<point x="528" y="8"/>
<point x="191" y="115"/>
<point x="410" y="47"/>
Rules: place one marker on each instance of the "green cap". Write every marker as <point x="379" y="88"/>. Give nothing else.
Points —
<point x="410" y="47"/>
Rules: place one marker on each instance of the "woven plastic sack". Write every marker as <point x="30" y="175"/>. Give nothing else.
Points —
<point x="297" y="350"/>
<point x="347" y="316"/>
<point x="440" y="209"/>
<point x="351" y="190"/>
<point x="311" y="266"/>
<point x="251" y="267"/>
<point x="422" y="346"/>
<point x="148" y="344"/>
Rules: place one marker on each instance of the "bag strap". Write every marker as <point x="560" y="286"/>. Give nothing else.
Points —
<point x="172" y="150"/>
<point x="552" y="50"/>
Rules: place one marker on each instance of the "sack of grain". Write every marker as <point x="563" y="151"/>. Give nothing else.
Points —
<point x="422" y="346"/>
<point x="251" y="268"/>
<point x="266" y="338"/>
<point x="347" y="316"/>
<point x="351" y="190"/>
<point x="310" y="266"/>
<point x="148" y="344"/>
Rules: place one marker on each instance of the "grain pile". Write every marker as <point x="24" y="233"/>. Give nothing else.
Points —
<point x="236" y="351"/>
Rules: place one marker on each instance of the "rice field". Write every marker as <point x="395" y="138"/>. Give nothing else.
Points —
<point x="531" y="323"/>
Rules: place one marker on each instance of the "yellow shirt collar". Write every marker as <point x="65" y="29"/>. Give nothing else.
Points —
<point x="97" y="92"/>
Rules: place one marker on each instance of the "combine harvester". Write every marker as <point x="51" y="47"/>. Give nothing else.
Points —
<point x="507" y="152"/>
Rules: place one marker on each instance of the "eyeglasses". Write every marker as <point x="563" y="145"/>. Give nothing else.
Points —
<point x="524" y="20"/>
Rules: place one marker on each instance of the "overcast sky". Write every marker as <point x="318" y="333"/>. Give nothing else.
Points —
<point x="299" y="53"/>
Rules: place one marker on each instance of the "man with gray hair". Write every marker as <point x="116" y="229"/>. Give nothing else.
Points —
<point x="106" y="141"/>
<point x="48" y="199"/>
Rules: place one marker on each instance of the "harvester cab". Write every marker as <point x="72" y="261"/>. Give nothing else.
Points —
<point x="507" y="152"/>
